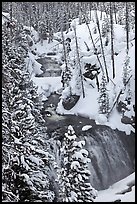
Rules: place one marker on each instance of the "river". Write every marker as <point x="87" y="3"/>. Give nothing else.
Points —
<point x="112" y="152"/>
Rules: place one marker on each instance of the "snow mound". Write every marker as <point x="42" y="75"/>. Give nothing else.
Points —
<point x="86" y="127"/>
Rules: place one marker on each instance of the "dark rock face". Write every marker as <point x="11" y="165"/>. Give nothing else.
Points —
<point x="51" y="53"/>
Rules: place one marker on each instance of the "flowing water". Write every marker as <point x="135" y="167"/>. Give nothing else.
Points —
<point x="112" y="152"/>
<point x="50" y="67"/>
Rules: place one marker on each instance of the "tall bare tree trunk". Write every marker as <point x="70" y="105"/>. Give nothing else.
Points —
<point x="64" y="49"/>
<point x="105" y="11"/>
<point x="80" y="13"/>
<point x="97" y="21"/>
<point x="118" y="96"/>
<point x="127" y="27"/>
<point x="112" y="37"/>
<point x="95" y="48"/>
<point x="78" y="58"/>
<point x="30" y="20"/>
<point x="90" y="6"/>
<point x="115" y="12"/>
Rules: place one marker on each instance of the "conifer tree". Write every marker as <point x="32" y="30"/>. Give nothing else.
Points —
<point x="126" y="76"/>
<point x="105" y="27"/>
<point x="66" y="75"/>
<point x="75" y="174"/>
<point x="103" y="99"/>
<point x="126" y="69"/>
<point x="24" y="171"/>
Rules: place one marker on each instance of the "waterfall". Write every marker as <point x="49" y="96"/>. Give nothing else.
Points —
<point x="112" y="153"/>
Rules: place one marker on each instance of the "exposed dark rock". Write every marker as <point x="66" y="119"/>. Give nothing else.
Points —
<point x="91" y="71"/>
<point x="70" y="102"/>
<point x="116" y="53"/>
<point x="51" y="53"/>
<point x="127" y="120"/>
<point x="118" y="200"/>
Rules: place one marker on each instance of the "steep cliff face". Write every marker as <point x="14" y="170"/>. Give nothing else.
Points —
<point x="112" y="152"/>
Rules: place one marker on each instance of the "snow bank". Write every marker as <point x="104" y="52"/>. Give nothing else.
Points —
<point x="123" y="190"/>
<point x="47" y="85"/>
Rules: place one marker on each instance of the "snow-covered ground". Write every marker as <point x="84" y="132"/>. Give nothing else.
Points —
<point x="123" y="190"/>
<point x="88" y="106"/>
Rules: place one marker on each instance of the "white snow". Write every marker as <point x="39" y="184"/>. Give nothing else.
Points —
<point x="79" y="143"/>
<point x="86" y="127"/>
<point x="5" y="17"/>
<point x="35" y="160"/>
<point x="88" y="106"/>
<point x="118" y="191"/>
<point x="47" y="85"/>
<point x="73" y="196"/>
<point x="75" y="165"/>
<point x="71" y="137"/>
<point x="78" y="155"/>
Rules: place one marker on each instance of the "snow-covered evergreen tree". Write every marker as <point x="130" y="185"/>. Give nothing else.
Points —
<point x="66" y="73"/>
<point x="78" y="75"/>
<point x="25" y="158"/>
<point x="103" y="99"/>
<point x="75" y="186"/>
<point x="105" y="27"/>
<point x="42" y="31"/>
<point x="126" y="70"/>
<point x="126" y="77"/>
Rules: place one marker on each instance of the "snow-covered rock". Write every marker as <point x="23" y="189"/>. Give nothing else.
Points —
<point x="86" y="127"/>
